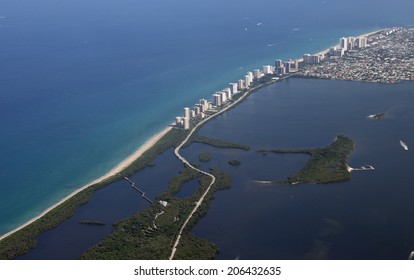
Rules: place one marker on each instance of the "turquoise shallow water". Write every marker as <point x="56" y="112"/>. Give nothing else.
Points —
<point x="85" y="83"/>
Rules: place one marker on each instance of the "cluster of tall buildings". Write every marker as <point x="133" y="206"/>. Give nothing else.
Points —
<point x="204" y="106"/>
<point x="348" y="44"/>
<point x="313" y="58"/>
<point x="223" y="97"/>
<point x="345" y="44"/>
<point x="281" y="68"/>
<point x="285" y="67"/>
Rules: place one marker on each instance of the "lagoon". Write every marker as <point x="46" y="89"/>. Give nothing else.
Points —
<point x="365" y="218"/>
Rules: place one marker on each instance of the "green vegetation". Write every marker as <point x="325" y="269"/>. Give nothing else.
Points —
<point x="218" y="143"/>
<point x="92" y="223"/>
<point x="234" y="162"/>
<point x="326" y="165"/>
<point x="145" y="237"/>
<point x="204" y="157"/>
<point x="23" y="241"/>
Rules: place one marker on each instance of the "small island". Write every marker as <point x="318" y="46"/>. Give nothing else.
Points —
<point x="234" y="162"/>
<point x="216" y="143"/>
<point x="326" y="165"/>
<point x="204" y="157"/>
<point x="92" y="223"/>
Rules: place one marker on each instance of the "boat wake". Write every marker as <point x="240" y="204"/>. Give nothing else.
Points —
<point x="404" y="145"/>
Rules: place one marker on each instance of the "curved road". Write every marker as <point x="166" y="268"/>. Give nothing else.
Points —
<point x="213" y="179"/>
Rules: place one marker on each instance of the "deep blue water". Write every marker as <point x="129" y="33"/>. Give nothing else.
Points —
<point x="85" y="83"/>
<point x="368" y="217"/>
<point x="111" y="204"/>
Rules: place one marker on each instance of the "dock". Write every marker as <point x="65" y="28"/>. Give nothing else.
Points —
<point x="138" y="190"/>
<point x="362" y="168"/>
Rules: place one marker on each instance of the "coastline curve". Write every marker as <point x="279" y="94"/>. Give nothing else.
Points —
<point x="118" y="168"/>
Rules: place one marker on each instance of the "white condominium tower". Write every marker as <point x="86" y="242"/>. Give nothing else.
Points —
<point x="217" y="99"/>
<point x="247" y="81"/>
<point x="343" y="43"/>
<point x="240" y="84"/>
<point x="233" y="88"/>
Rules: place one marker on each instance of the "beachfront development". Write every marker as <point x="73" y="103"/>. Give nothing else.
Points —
<point x="385" y="56"/>
<point x="388" y="57"/>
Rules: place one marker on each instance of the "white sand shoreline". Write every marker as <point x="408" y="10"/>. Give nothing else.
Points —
<point x="325" y="51"/>
<point x="128" y="161"/>
<point x="118" y="168"/>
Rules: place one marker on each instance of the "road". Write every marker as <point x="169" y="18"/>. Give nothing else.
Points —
<point x="213" y="178"/>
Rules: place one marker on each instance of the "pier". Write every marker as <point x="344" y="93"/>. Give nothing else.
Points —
<point x="139" y="190"/>
<point x="362" y="168"/>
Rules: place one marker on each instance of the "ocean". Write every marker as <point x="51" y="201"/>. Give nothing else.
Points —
<point x="85" y="83"/>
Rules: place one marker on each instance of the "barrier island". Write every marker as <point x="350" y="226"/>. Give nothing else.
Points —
<point x="326" y="165"/>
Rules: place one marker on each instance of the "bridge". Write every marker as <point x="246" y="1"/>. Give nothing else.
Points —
<point x="138" y="189"/>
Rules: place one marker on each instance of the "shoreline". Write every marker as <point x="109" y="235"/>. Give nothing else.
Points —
<point x="118" y="168"/>
<point x="137" y="154"/>
<point x="325" y="51"/>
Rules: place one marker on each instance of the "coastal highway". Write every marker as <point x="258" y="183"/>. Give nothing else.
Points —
<point x="213" y="179"/>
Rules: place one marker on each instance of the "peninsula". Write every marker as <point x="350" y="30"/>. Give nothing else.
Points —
<point x="386" y="54"/>
<point x="326" y="165"/>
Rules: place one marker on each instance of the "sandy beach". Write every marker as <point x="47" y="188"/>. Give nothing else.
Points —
<point x="121" y="166"/>
<point x="325" y="51"/>
<point x="125" y="163"/>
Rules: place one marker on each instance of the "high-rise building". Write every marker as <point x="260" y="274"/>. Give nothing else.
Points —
<point x="278" y="63"/>
<point x="287" y="66"/>
<point x="217" y="99"/>
<point x="247" y="81"/>
<point x="187" y="112"/>
<point x="186" y="123"/>
<point x="179" y="121"/>
<point x="336" y="52"/>
<point x="306" y="58"/>
<point x="311" y="59"/>
<point x="281" y="70"/>
<point x="240" y="84"/>
<point x="267" y="69"/>
<point x="233" y="88"/>
<point x="250" y="74"/>
<point x="351" y="43"/>
<point x="343" y="43"/>
<point x="228" y="94"/>
<point x="197" y="109"/>
<point x="294" y="65"/>
<point x="193" y="114"/>
<point x="204" y="104"/>
<point x="223" y="96"/>
<point x="257" y="73"/>
<point x="362" y="42"/>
